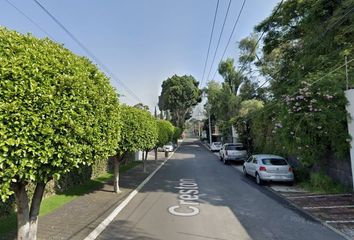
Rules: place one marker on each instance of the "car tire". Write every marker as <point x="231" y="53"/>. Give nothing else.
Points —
<point x="258" y="179"/>
<point x="290" y="183"/>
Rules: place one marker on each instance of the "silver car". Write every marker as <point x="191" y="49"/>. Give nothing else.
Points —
<point x="215" y="146"/>
<point x="265" y="167"/>
<point x="168" y="147"/>
<point x="233" y="152"/>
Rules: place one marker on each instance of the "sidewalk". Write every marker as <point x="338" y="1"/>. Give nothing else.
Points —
<point x="335" y="211"/>
<point x="76" y="219"/>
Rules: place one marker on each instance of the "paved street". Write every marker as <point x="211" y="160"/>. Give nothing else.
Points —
<point x="195" y="196"/>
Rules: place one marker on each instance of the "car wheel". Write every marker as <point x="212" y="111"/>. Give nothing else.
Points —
<point x="244" y="171"/>
<point x="258" y="179"/>
<point x="291" y="183"/>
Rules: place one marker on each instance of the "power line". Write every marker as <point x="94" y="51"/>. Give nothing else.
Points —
<point x="29" y="19"/>
<point x="260" y="37"/>
<point x="232" y="33"/>
<point x="211" y="37"/>
<point x="76" y="40"/>
<point x="222" y="30"/>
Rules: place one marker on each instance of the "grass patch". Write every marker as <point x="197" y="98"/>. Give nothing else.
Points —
<point x="9" y="223"/>
<point x="321" y="183"/>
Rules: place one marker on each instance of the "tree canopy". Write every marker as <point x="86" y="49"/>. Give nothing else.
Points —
<point x="179" y="94"/>
<point x="165" y="132"/>
<point x="139" y="130"/>
<point x="57" y="112"/>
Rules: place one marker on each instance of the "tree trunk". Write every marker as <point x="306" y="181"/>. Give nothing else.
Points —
<point x="116" y="174"/>
<point x="155" y="149"/>
<point x="22" y="210"/>
<point x="144" y="160"/>
<point x="35" y="206"/>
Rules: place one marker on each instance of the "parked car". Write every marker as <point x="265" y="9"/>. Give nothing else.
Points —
<point x="215" y="146"/>
<point x="265" y="167"/>
<point x="168" y="147"/>
<point x="233" y="152"/>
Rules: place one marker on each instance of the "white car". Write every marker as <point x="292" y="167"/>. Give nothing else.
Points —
<point x="233" y="152"/>
<point x="168" y="147"/>
<point x="266" y="167"/>
<point x="215" y="146"/>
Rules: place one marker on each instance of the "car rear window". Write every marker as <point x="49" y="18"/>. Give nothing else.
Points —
<point x="274" y="161"/>
<point x="232" y="147"/>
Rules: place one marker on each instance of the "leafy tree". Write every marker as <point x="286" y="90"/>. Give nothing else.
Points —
<point x="248" y="51"/>
<point x="151" y="136"/>
<point x="142" y="106"/>
<point x="179" y="94"/>
<point x="57" y="113"/>
<point x="244" y="119"/>
<point x="222" y="105"/>
<point x="177" y="133"/>
<point x="232" y="77"/>
<point x="303" y="42"/>
<point x="165" y="132"/>
<point x="139" y="132"/>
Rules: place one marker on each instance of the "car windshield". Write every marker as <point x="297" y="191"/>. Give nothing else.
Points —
<point x="217" y="143"/>
<point x="234" y="147"/>
<point x="274" y="161"/>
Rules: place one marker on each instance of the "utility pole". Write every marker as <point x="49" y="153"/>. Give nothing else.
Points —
<point x="209" y="131"/>
<point x="346" y="71"/>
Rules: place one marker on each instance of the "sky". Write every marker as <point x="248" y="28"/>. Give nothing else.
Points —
<point x="142" y="42"/>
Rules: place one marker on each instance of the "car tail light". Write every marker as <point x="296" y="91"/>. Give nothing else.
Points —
<point x="262" y="168"/>
<point x="290" y="169"/>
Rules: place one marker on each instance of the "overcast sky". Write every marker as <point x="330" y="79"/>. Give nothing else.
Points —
<point x="143" y="42"/>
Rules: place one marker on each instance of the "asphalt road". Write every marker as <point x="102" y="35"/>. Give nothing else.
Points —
<point x="195" y="196"/>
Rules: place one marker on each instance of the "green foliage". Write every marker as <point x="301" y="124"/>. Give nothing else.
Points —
<point x="179" y="94"/>
<point x="305" y="115"/>
<point x="321" y="183"/>
<point x="139" y="130"/>
<point x="177" y="133"/>
<point x="57" y="111"/>
<point x="248" y="50"/>
<point x="232" y="77"/>
<point x="223" y="105"/>
<point x="165" y="132"/>
<point x="243" y="121"/>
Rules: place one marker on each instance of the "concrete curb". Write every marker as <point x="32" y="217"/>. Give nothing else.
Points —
<point x="102" y="226"/>
<point x="316" y="219"/>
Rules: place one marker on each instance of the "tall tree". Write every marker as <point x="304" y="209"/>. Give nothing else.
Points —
<point x="179" y="94"/>
<point x="139" y="132"/>
<point x="232" y="77"/>
<point x="57" y="113"/>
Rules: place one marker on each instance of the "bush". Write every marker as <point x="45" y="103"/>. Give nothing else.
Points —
<point x="321" y="183"/>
